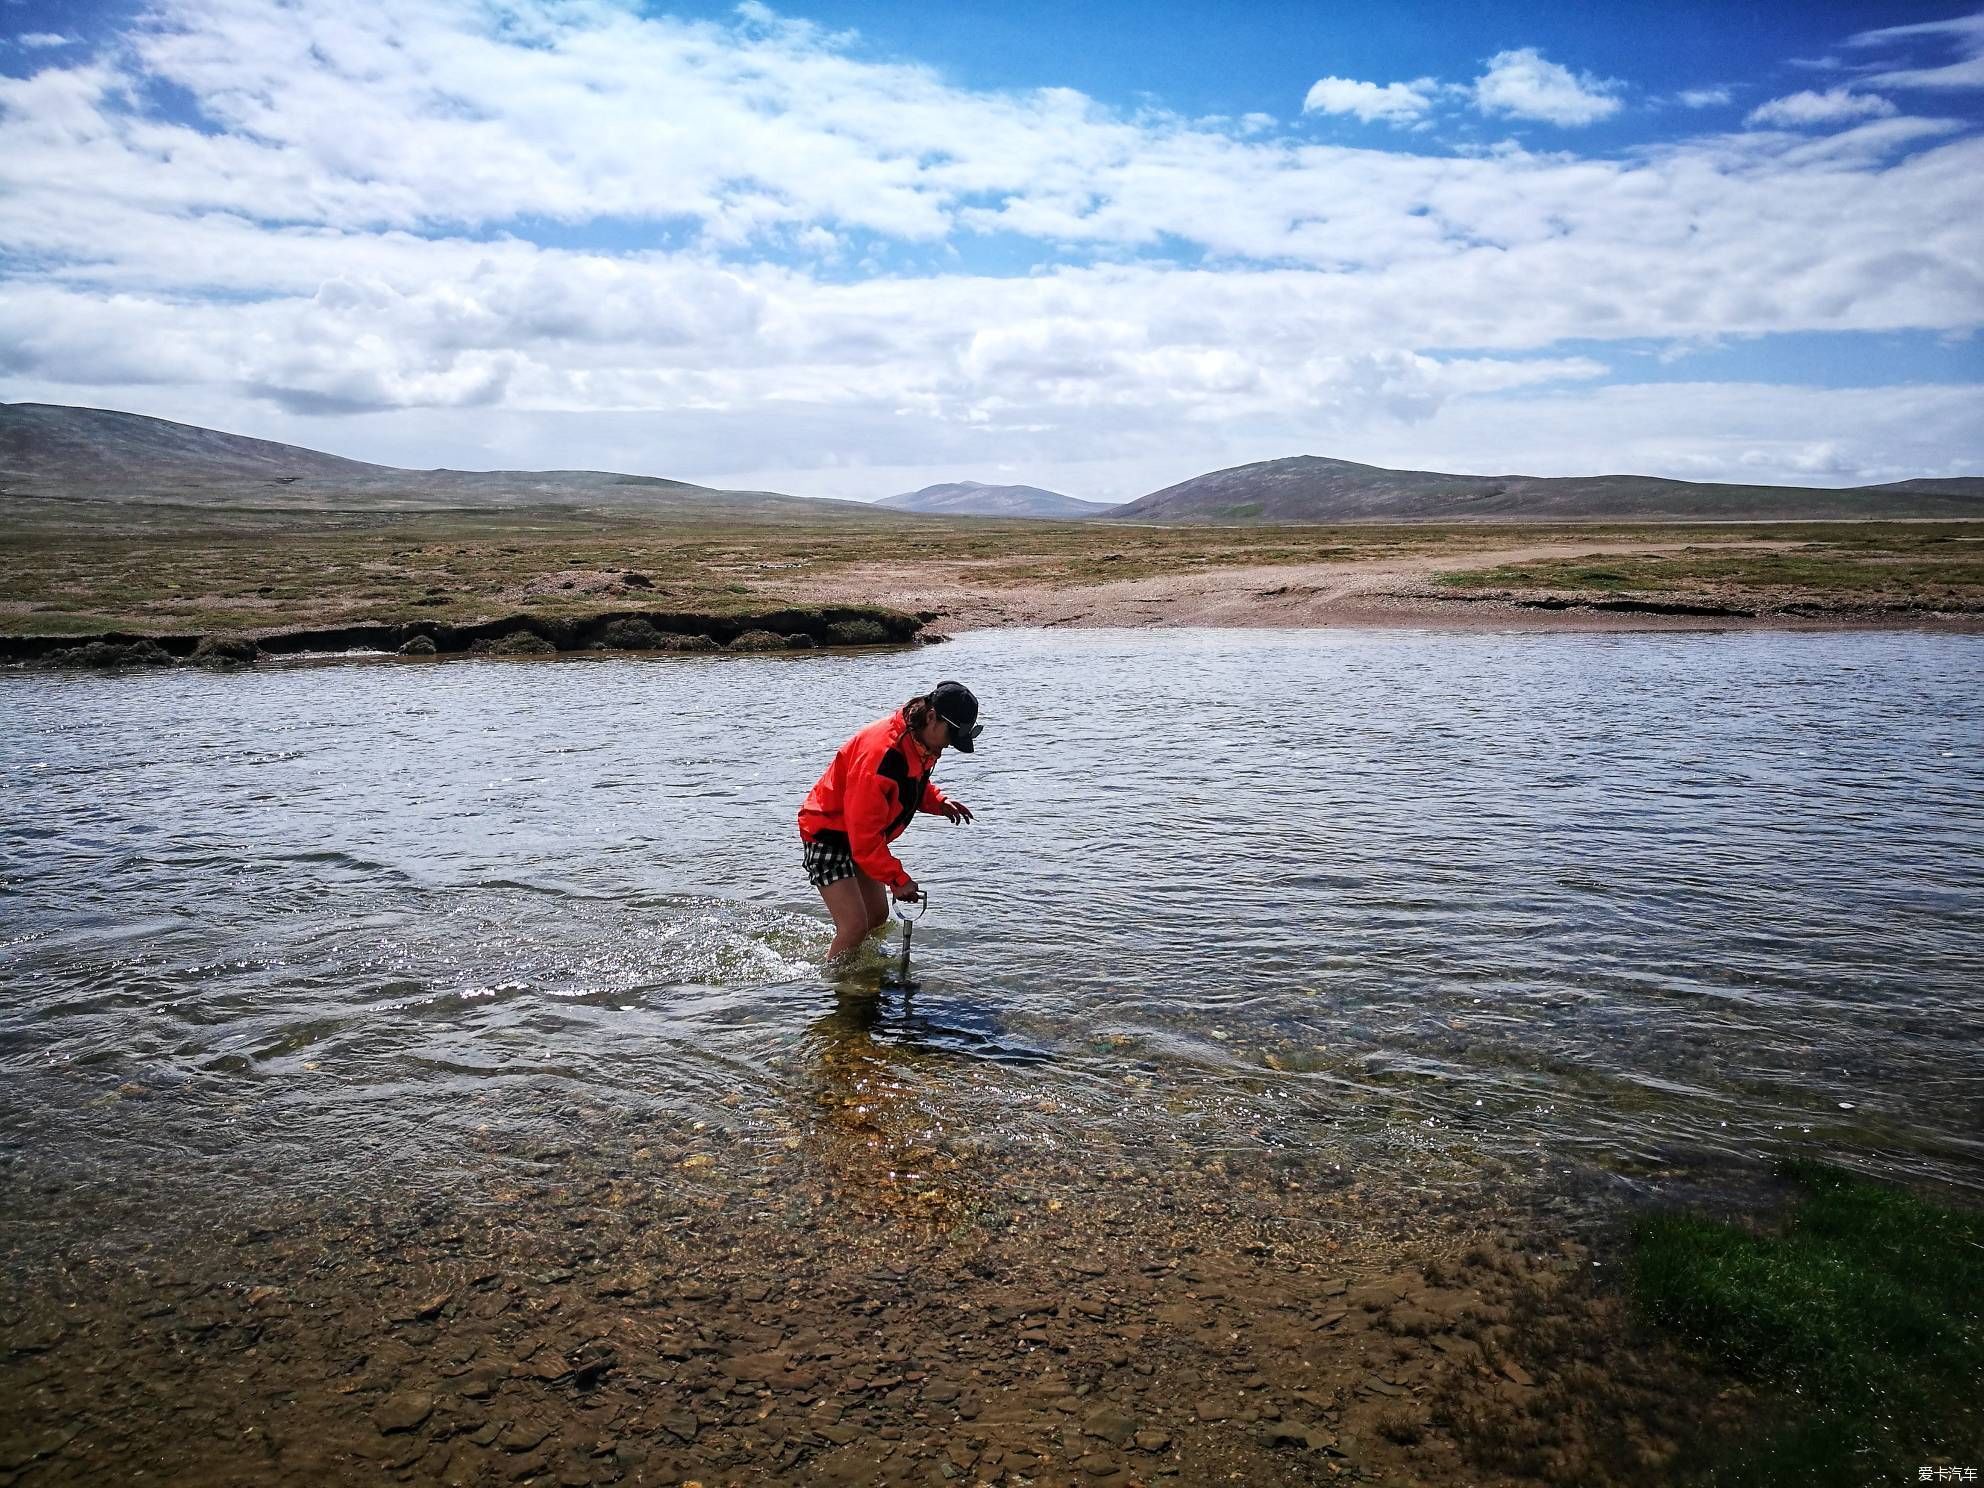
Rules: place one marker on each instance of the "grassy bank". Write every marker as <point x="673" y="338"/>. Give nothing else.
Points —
<point x="1841" y="565"/>
<point x="252" y="571"/>
<point x="1859" y="1316"/>
<point x="147" y="569"/>
<point x="83" y="568"/>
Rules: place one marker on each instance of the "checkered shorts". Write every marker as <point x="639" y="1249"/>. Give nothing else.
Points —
<point x="828" y="860"/>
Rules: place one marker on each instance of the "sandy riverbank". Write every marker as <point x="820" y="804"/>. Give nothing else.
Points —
<point x="1396" y="590"/>
<point x="542" y="596"/>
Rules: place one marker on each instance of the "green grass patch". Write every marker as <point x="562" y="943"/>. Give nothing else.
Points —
<point x="72" y="624"/>
<point x="1875" y="564"/>
<point x="1861" y="1314"/>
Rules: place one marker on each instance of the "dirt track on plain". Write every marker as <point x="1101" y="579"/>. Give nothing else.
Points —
<point x="1394" y="590"/>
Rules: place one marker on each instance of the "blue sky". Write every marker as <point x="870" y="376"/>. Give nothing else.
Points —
<point x="847" y="249"/>
<point x="1259" y="57"/>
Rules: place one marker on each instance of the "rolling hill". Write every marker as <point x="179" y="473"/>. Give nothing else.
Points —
<point x="96" y="455"/>
<point x="973" y="499"/>
<point x="1310" y="488"/>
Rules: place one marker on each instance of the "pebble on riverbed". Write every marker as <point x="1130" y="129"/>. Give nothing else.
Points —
<point x="833" y="1330"/>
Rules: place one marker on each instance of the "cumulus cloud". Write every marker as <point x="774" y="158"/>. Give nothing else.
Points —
<point x="42" y="40"/>
<point x="1524" y="84"/>
<point x="349" y="232"/>
<point x="1834" y="106"/>
<point x="1966" y="33"/>
<point x="1703" y="97"/>
<point x="1395" y="103"/>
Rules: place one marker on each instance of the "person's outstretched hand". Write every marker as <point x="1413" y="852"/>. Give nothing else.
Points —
<point x="907" y="891"/>
<point x="957" y="811"/>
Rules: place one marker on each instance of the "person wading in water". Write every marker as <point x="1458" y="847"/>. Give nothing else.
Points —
<point x="879" y="780"/>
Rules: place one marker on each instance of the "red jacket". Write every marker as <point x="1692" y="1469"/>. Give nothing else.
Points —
<point x="877" y="782"/>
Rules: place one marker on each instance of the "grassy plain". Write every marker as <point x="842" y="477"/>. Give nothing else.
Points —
<point x="69" y="568"/>
<point x="1855" y="565"/>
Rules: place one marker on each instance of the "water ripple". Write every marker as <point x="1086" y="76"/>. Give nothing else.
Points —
<point x="1630" y="899"/>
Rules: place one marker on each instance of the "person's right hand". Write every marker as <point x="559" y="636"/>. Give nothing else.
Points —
<point x="907" y="891"/>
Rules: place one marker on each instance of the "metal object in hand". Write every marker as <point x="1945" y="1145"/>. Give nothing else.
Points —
<point x="908" y="928"/>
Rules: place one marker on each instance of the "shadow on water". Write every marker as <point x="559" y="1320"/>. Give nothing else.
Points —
<point x="919" y="1020"/>
<point x="882" y="998"/>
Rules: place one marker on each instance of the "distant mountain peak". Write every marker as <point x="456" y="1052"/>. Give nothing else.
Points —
<point x="977" y="499"/>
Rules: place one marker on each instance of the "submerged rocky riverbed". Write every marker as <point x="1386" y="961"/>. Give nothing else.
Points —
<point x="648" y="1308"/>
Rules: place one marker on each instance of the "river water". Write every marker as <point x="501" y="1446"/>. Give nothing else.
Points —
<point x="1618" y="907"/>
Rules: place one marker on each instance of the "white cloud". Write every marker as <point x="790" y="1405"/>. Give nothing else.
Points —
<point x="1722" y="431"/>
<point x="1967" y="32"/>
<point x="348" y="235"/>
<point x="42" y="40"/>
<point x="1834" y="106"/>
<point x="1524" y="84"/>
<point x="1704" y="97"/>
<point x="1392" y="102"/>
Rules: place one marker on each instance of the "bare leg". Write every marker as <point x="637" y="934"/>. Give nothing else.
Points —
<point x="876" y="898"/>
<point x="859" y="906"/>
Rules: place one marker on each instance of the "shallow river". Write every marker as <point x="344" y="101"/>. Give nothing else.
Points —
<point x="1620" y="906"/>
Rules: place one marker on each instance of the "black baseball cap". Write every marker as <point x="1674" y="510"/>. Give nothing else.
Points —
<point x="953" y="702"/>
